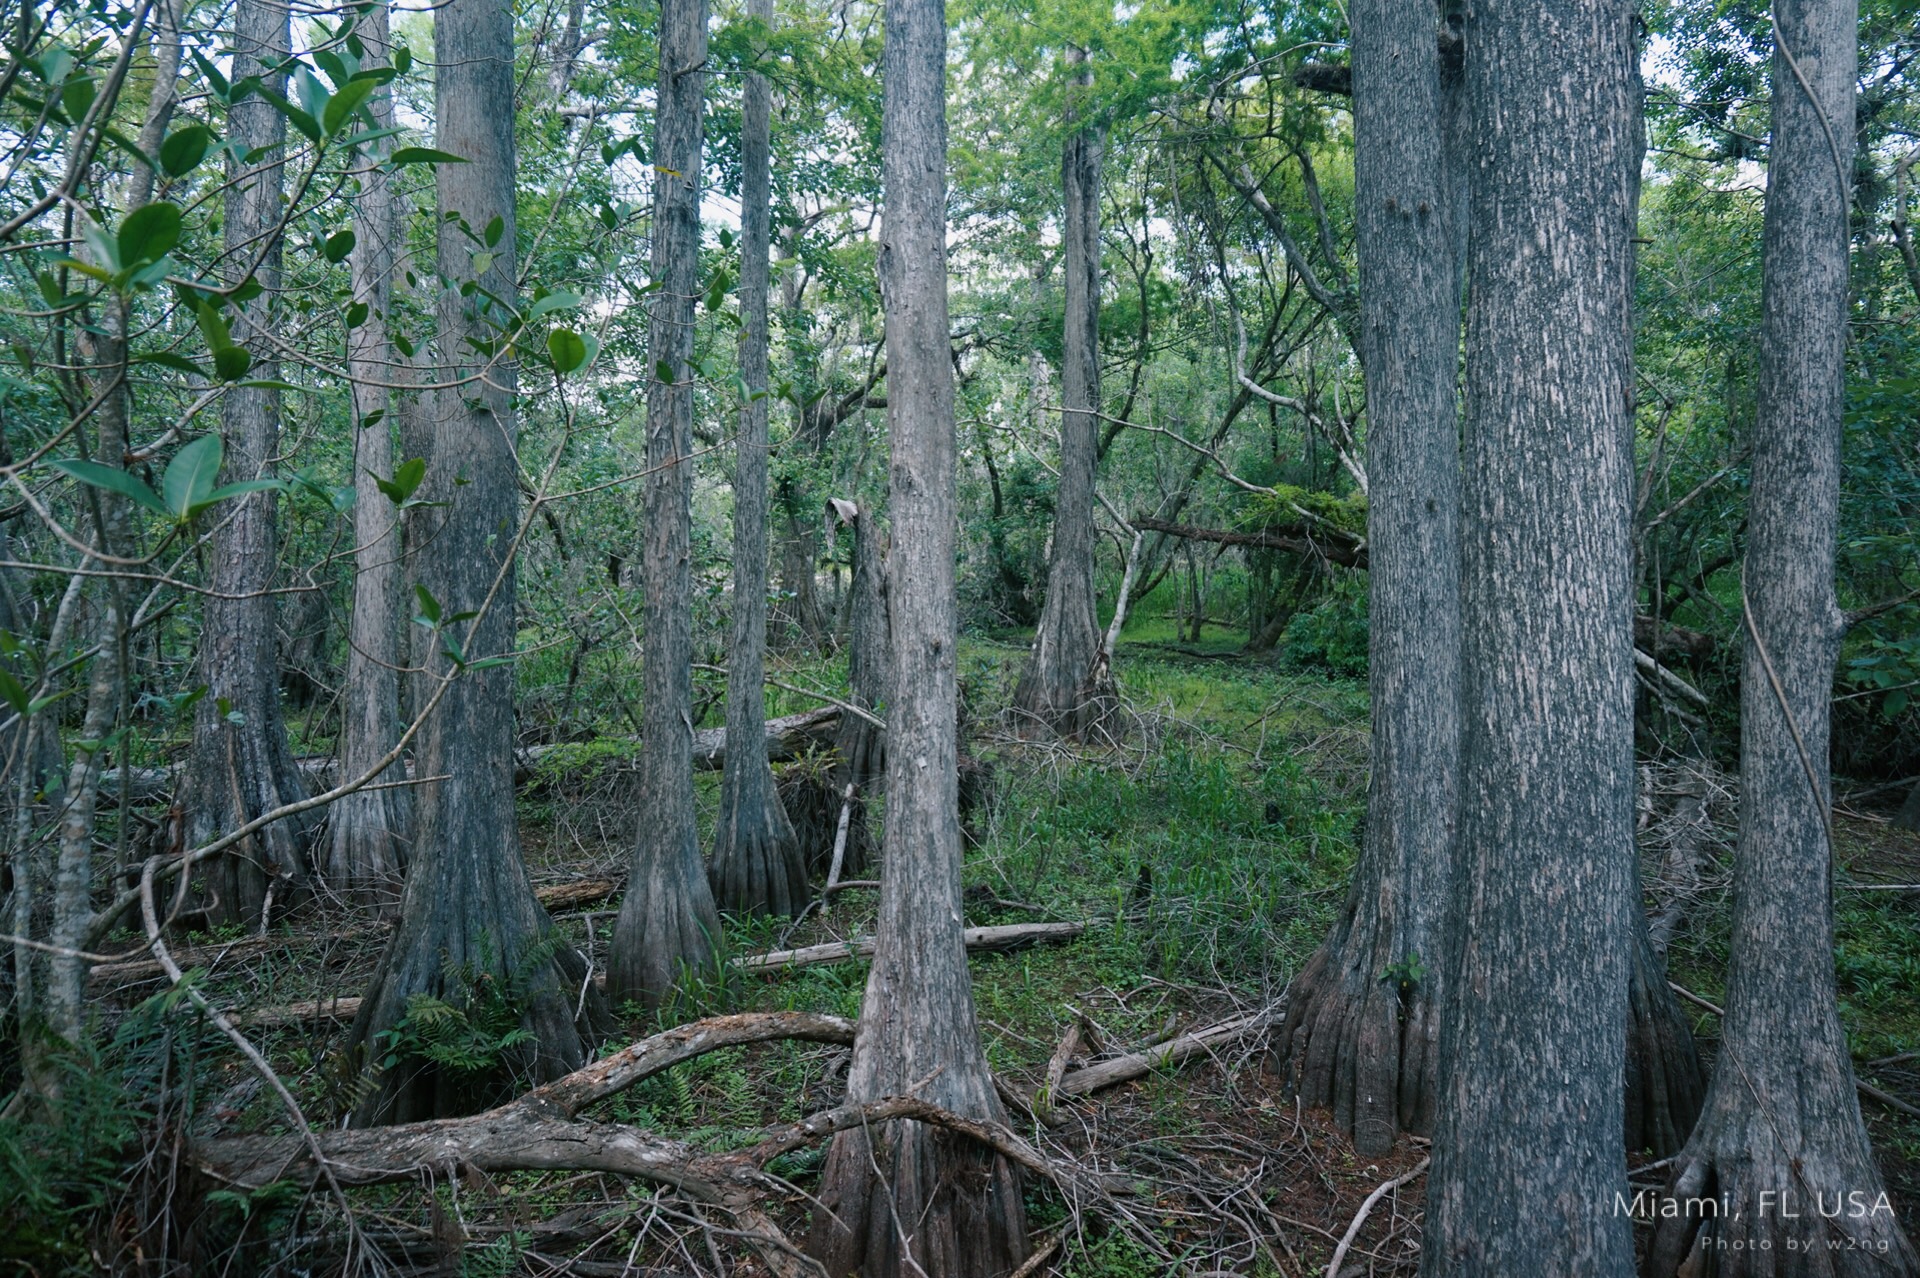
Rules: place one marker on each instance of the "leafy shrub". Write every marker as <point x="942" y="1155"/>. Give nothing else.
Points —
<point x="1331" y="636"/>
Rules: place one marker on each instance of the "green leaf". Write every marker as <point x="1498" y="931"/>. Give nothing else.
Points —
<point x="568" y="351"/>
<point x="495" y="229"/>
<point x="188" y="480"/>
<point x="1896" y="703"/>
<point x="105" y="248"/>
<point x="301" y="120"/>
<point x="213" y="326"/>
<point x="402" y="60"/>
<point x="313" y="94"/>
<point x="232" y="363"/>
<point x="482" y="263"/>
<point x="183" y="150"/>
<point x="226" y="492"/>
<point x="149" y="233"/>
<point x="357" y="314"/>
<point x="405" y="482"/>
<point x="338" y="245"/>
<point x="555" y="301"/>
<point x="429" y="607"/>
<point x="341" y="106"/>
<point x="16" y="695"/>
<point x="663" y="371"/>
<point x="167" y="359"/>
<point x="76" y="96"/>
<point x="423" y="155"/>
<point x="113" y="480"/>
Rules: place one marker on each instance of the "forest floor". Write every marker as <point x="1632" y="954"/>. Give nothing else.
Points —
<point x="1209" y="847"/>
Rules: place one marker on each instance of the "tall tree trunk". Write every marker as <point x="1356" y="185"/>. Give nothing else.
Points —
<point x="471" y="933"/>
<point x="1363" y="1019"/>
<point x="905" y="1199"/>
<point x="1781" y="1144"/>
<point x="241" y="765"/>
<point x="757" y="867"/>
<point x="366" y="849"/>
<point x="668" y="920"/>
<point x="1067" y="686"/>
<point x="1530" y="1127"/>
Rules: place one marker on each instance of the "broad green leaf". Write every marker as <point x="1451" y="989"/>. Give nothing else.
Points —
<point x="189" y="476"/>
<point x="338" y="245"/>
<point x="232" y="364"/>
<point x="301" y="120"/>
<point x="226" y="492"/>
<point x="167" y="359"/>
<point x="342" y="105"/>
<point x="429" y="607"/>
<point x="568" y="351"/>
<point x="405" y="482"/>
<point x="495" y="229"/>
<point x="313" y="94"/>
<point x="16" y="695"/>
<point x="183" y="150"/>
<point x="663" y="371"/>
<point x="113" y="480"/>
<point x="552" y="302"/>
<point x="76" y="96"/>
<point x="213" y="326"/>
<point x="149" y="233"/>
<point x="357" y="314"/>
<point x="423" y="155"/>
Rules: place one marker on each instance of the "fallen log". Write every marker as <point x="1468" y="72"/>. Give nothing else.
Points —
<point x="788" y="737"/>
<point x="1122" y="1069"/>
<point x="1339" y="546"/>
<point x="556" y="896"/>
<point x="540" y="1132"/>
<point x="980" y="940"/>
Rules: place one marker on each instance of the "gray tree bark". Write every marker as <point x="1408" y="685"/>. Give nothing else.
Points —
<point x="667" y="920"/>
<point x="1067" y="686"/>
<point x="934" y="1207"/>
<point x="1363" y="1018"/>
<point x="1528" y="1143"/>
<point x="367" y="831"/>
<point x="1781" y="1145"/>
<point x="861" y="750"/>
<point x="469" y="919"/>
<point x="241" y="765"/>
<point x="757" y="867"/>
